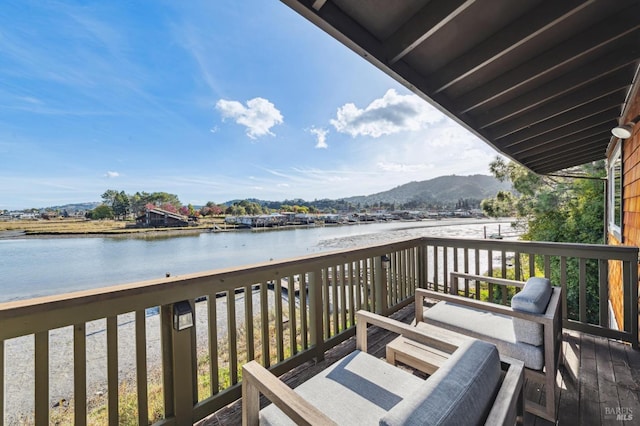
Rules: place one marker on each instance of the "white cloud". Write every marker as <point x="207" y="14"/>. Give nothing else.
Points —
<point x="111" y="174"/>
<point x="393" y="113"/>
<point x="321" y="137"/>
<point x="259" y="116"/>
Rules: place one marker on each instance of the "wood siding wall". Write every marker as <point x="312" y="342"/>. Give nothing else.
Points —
<point x="631" y="209"/>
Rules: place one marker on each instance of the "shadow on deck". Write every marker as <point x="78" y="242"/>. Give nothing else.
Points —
<point x="599" y="381"/>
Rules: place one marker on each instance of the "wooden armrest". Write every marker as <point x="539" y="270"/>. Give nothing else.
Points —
<point x="492" y="280"/>
<point x="364" y="318"/>
<point x="256" y="379"/>
<point x="505" y="403"/>
<point x="485" y="306"/>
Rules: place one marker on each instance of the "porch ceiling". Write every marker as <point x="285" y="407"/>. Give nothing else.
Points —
<point x="543" y="82"/>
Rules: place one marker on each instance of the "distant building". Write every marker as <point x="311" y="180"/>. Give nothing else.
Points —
<point x="161" y="218"/>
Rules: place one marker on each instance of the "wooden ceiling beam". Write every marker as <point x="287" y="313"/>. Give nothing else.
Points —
<point x="535" y="148"/>
<point x="426" y="22"/>
<point x="567" y="131"/>
<point x="513" y="36"/>
<point x="611" y="86"/>
<point x="578" y="47"/>
<point x="610" y="104"/>
<point x="559" y="87"/>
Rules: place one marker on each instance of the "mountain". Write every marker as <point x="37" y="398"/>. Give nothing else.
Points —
<point x="440" y="190"/>
<point x="72" y="208"/>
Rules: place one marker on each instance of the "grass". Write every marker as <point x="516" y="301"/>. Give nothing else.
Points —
<point x="66" y="226"/>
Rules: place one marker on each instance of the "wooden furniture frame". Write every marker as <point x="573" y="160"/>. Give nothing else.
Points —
<point x="551" y="321"/>
<point x="257" y="380"/>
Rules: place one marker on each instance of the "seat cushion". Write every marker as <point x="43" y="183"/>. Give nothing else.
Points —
<point x="461" y="392"/>
<point x="494" y="328"/>
<point x="533" y="298"/>
<point x="358" y="389"/>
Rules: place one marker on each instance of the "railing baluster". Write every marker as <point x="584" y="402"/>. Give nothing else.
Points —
<point x="278" y="323"/>
<point x="583" y="289"/>
<point x="212" y="314"/>
<point x="603" y="293"/>
<point x="632" y="270"/>
<point x="352" y="294"/>
<point x="335" y="306"/>
<point x="42" y="378"/>
<point x="232" y="335"/>
<point x="112" y="369"/>
<point x="627" y="295"/>
<point x="326" y="302"/>
<point x="517" y="265"/>
<point x="360" y="288"/>
<point x="166" y="329"/>
<point x="343" y="297"/>
<point x="477" y="272"/>
<point x="264" y="324"/>
<point x="532" y="265"/>
<point x="490" y="273"/>
<point x="80" y="374"/>
<point x="503" y="290"/>
<point x="293" y="339"/>
<point x="304" y="303"/>
<point x="563" y="284"/>
<point x="445" y="269"/>
<point x="547" y="266"/>
<point x="316" y="312"/>
<point x="465" y="254"/>
<point x="248" y="322"/>
<point x="141" y="366"/>
<point x="436" y="251"/>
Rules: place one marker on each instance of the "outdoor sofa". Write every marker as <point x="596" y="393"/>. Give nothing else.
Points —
<point x="529" y="330"/>
<point x="475" y="386"/>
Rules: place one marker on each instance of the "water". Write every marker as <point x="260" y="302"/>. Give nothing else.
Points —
<point x="38" y="267"/>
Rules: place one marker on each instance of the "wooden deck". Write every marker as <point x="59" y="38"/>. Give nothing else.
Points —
<point x="599" y="382"/>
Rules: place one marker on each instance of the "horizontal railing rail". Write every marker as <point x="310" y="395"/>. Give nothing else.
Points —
<point x="582" y="270"/>
<point x="120" y="347"/>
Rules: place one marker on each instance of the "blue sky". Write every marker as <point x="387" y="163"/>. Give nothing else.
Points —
<point x="209" y="100"/>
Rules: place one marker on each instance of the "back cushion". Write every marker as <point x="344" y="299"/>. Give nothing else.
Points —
<point x="461" y="392"/>
<point x="533" y="298"/>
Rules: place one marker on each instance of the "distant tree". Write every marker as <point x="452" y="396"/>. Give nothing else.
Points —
<point x="103" y="211"/>
<point x="169" y="207"/>
<point x="109" y="197"/>
<point x="121" y="205"/>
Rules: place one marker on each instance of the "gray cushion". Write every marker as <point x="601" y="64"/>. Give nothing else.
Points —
<point x="533" y="298"/>
<point x="494" y="328"/>
<point x="358" y="389"/>
<point x="461" y="392"/>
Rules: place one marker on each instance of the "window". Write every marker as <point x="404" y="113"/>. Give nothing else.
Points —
<point x="615" y="192"/>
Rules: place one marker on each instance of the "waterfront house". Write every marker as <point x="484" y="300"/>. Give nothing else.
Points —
<point x="156" y="218"/>
<point x="543" y="82"/>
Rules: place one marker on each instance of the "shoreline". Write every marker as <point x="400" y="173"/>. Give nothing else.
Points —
<point x="177" y="232"/>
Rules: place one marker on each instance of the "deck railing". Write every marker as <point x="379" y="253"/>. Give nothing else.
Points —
<point x="281" y="313"/>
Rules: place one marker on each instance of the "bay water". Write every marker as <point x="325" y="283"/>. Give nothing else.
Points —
<point x="33" y="267"/>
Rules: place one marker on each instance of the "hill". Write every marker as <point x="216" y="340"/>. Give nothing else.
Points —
<point x="443" y="190"/>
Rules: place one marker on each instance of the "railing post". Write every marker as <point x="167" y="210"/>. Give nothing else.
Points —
<point x="182" y="360"/>
<point x="380" y="286"/>
<point x="630" y="281"/>
<point x="315" y="313"/>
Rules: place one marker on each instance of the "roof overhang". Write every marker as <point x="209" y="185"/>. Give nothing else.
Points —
<point x="543" y="82"/>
